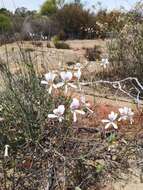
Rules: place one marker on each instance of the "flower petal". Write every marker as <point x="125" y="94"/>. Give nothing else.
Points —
<point x="56" y="111"/>
<point x="80" y="112"/>
<point x="74" y="117"/>
<point x="105" y="120"/>
<point x="115" y="126"/>
<point x="61" y="109"/>
<point x="107" y="125"/>
<point x="52" y="116"/>
<point x="60" y="84"/>
<point x="44" y="82"/>
<point x="50" y="89"/>
<point x="72" y="85"/>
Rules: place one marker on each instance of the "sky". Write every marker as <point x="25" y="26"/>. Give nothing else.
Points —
<point x="35" y="4"/>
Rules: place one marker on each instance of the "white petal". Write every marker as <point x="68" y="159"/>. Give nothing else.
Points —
<point x="78" y="65"/>
<point x="105" y="120"/>
<point x="89" y="110"/>
<point x="112" y="116"/>
<point x="60" y="84"/>
<point x="75" y="104"/>
<point x="56" y="111"/>
<point x="66" y="89"/>
<point x="50" y="90"/>
<point x="62" y="74"/>
<point x="82" y="99"/>
<point x="61" y="119"/>
<point x="74" y="116"/>
<point x="61" y="109"/>
<point x="78" y="74"/>
<point x="54" y="86"/>
<point x="72" y="85"/>
<point x="115" y="126"/>
<point x="66" y="75"/>
<point x="107" y="125"/>
<point x="52" y="116"/>
<point x="121" y="110"/>
<point x="6" y="151"/>
<point x="44" y="82"/>
<point x="80" y="112"/>
<point x="48" y="76"/>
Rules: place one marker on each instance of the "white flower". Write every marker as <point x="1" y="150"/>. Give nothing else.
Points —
<point x="58" y="113"/>
<point x="49" y="80"/>
<point x="78" y="74"/>
<point x="125" y="114"/>
<point x="75" y="109"/>
<point x="6" y="151"/>
<point x="104" y="63"/>
<point x="66" y="78"/>
<point x="110" y="121"/>
<point x="85" y="104"/>
<point x="78" y="66"/>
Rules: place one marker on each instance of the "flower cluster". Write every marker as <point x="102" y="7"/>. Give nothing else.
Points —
<point x="66" y="82"/>
<point x="75" y="108"/>
<point x="78" y="106"/>
<point x="125" y="113"/>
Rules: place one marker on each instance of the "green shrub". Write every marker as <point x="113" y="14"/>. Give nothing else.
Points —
<point x="55" y="39"/>
<point x="5" y="23"/>
<point x="61" y="45"/>
<point x="25" y="105"/>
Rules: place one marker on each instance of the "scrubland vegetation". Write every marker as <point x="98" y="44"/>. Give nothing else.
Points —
<point x="71" y="116"/>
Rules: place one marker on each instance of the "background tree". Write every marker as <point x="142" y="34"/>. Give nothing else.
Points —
<point x="72" y="18"/>
<point x="23" y="12"/>
<point x="49" y="7"/>
<point x="5" y="23"/>
<point x="5" y="12"/>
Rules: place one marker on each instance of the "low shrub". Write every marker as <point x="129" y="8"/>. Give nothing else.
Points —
<point x="125" y="53"/>
<point x="37" y="43"/>
<point x="92" y="54"/>
<point x="61" y="45"/>
<point x="55" y="39"/>
<point x="70" y="63"/>
<point x="29" y="49"/>
<point x="48" y="45"/>
<point x="62" y="35"/>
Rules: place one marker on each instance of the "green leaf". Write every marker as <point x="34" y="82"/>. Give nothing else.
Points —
<point x="78" y="188"/>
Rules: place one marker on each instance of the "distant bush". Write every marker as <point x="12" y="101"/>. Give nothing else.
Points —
<point x="92" y="54"/>
<point x="55" y="39"/>
<point x="126" y="52"/>
<point x="62" y="35"/>
<point x="29" y="50"/>
<point x="73" y="18"/>
<point x="48" y="45"/>
<point x="61" y="45"/>
<point x="70" y="63"/>
<point x="37" y="43"/>
<point x="5" y="23"/>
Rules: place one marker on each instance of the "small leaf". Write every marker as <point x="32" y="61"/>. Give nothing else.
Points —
<point x="78" y="188"/>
